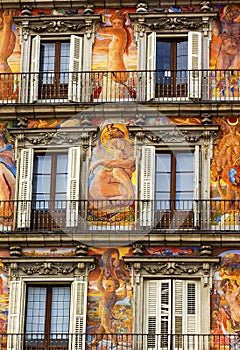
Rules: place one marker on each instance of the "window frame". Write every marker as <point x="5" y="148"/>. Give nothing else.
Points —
<point x="17" y="309"/>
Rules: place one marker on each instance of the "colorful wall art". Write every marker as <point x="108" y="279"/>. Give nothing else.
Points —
<point x="225" y="299"/>
<point x="109" y="301"/>
<point x="225" y="53"/>
<point x="114" y="57"/>
<point x="112" y="176"/>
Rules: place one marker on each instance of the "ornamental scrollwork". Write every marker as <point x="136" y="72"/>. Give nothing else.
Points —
<point x="171" y="268"/>
<point x="49" y="268"/>
<point x="175" y="23"/>
<point x="59" y="26"/>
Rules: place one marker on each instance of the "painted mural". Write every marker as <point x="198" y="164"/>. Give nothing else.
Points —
<point x="7" y="179"/>
<point x="226" y="299"/>
<point x="115" y="52"/>
<point x="4" y="301"/>
<point x="109" y="301"/>
<point x="225" y="53"/>
<point x="112" y="176"/>
<point x="9" y="56"/>
<point x="225" y="172"/>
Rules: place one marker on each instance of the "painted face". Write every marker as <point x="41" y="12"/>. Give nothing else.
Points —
<point x="229" y="44"/>
<point x="117" y="23"/>
<point x="110" y="286"/>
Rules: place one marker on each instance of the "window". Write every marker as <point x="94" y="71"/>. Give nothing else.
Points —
<point x="56" y="69"/>
<point x="50" y="180"/>
<point x="172" y="66"/>
<point x="49" y="189"/>
<point x="177" y="63"/>
<point x="169" y="186"/>
<point x="171" y="313"/>
<point x="47" y="316"/>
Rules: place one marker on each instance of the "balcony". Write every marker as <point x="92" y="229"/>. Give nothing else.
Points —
<point x="124" y="341"/>
<point x="141" y="86"/>
<point x="138" y="216"/>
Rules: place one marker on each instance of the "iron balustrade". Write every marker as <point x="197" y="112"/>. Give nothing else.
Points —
<point x="100" y="86"/>
<point x="119" y="215"/>
<point x="120" y="341"/>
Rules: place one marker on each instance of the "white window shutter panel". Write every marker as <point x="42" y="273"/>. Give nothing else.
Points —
<point x="151" y="65"/>
<point x="25" y="188"/>
<point x="75" y="91"/>
<point x="16" y="315"/>
<point x="147" y="185"/>
<point x="151" y="313"/>
<point x="34" y="69"/>
<point x="194" y="64"/>
<point x="73" y="184"/>
<point x="78" y="315"/>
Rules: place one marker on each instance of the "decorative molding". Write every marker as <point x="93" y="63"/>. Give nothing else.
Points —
<point x="199" y="267"/>
<point x="173" y="22"/>
<point x="85" y="23"/>
<point x="57" y="266"/>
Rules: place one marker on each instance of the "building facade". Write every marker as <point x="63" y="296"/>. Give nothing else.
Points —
<point x="120" y="173"/>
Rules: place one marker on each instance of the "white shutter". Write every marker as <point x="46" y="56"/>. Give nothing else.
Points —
<point x="157" y="311"/>
<point x="25" y="188"/>
<point x="75" y="91"/>
<point x="185" y="312"/>
<point x="147" y="186"/>
<point x="151" y="65"/>
<point x="73" y="186"/>
<point x="16" y="315"/>
<point x="34" y="69"/>
<point x="78" y="315"/>
<point x="194" y="64"/>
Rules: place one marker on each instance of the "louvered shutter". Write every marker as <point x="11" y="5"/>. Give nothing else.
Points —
<point x="151" y="323"/>
<point x="151" y="65"/>
<point x="25" y="188"/>
<point x="186" y="320"/>
<point x="16" y="315"/>
<point x="75" y="90"/>
<point x="73" y="186"/>
<point x="34" y="69"/>
<point x="147" y="186"/>
<point x="157" y="311"/>
<point x="194" y="64"/>
<point x="78" y="315"/>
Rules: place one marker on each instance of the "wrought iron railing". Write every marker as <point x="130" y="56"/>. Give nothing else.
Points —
<point x="120" y="341"/>
<point x="105" y="86"/>
<point x="120" y="215"/>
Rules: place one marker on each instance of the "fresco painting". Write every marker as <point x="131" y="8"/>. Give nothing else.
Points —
<point x="8" y="177"/>
<point x="109" y="302"/>
<point x="225" y="54"/>
<point x="225" y="172"/>
<point x="4" y="300"/>
<point x="9" y="56"/>
<point x="112" y="177"/>
<point x="115" y="53"/>
<point x="225" y="317"/>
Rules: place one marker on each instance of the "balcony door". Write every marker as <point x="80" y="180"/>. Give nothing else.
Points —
<point x="174" y="189"/>
<point x="172" y="317"/>
<point x="172" y="67"/>
<point x="49" y="191"/>
<point x="54" y="68"/>
<point x="47" y="317"/>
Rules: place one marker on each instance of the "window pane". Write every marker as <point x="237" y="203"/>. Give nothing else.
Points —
<point x="184" y="182"/>
<point x="185" y="162"/>
<point x="163" y="55"/>
<point x="36" y="308"/>
<point x="163" y="162"/>
<point x="163" y="182"/>
<point x="182" y="55"/>
<point x="60" y="311"/>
